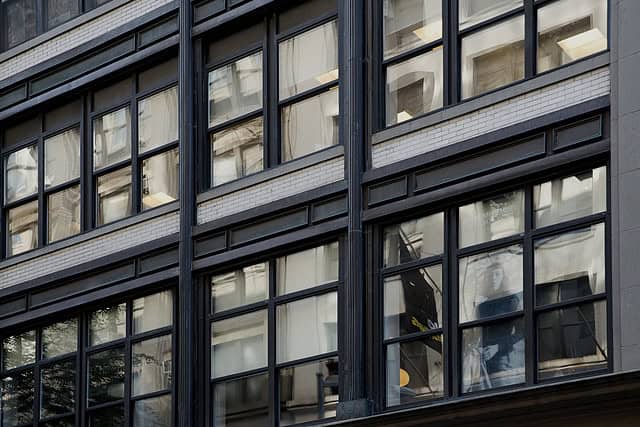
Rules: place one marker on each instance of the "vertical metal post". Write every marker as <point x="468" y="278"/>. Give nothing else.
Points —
<point x="185" y="375"/>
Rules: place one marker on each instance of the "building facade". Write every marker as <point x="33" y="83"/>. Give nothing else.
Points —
<point x="342" y="212"/>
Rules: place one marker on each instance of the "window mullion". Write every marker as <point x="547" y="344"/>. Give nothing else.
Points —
<point x="451" y="327"/>
<point x="42" y="217"/>
<point x="136" y="173"/>
<point x="272" y="112"/>
<point x="529" y="292"/>
<point x="271" y="351"/>
<point x="127" y="364"/>
<point x="530" y="36"/>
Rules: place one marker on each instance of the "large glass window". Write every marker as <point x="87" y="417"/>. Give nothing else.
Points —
<point x="299" y="351"/>
<point x="536" y="253"/>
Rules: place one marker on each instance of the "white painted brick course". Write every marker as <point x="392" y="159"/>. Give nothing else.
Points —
<point x="89" y="250"/>
<point x="270" y="191"/>
<point x="504" y="114"/>
<point x="78" y="35"/>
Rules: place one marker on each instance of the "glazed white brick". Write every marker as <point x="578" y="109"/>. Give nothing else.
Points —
<point x="270" y="191"/>
<point x="78" y="35"/>
<point x="91" y="249"/>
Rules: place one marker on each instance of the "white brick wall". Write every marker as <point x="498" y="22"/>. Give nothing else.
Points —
<point x="516" y="110"/>
<point x="91" y="249"/>
<point x="276" y="189"/>
<point x="78" y="35"/>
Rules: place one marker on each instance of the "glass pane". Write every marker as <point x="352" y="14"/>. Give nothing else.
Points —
<point x="491" y="283"/>
<point x="60" y="338"/>
<point x="107" y="324"/>
<point x="237" y="151"/>
<point x="63" y="214"/>
<point x="21" y="174"/>
<point x="18" y="391"/>
<point x="493" y="356"/>
<point x="160" y="179"/>
<point x="111" y="416"/>
<point x="20" y="18"/>
<point x="153" y="312"/>
<point x="23" y="228"/>
<point x="413" y="301"/>
<point x="106" y="376"/>
<point x="112" y="138"/>
<point x="60" y="11"/>
<point x="491" y="219"/>
<point x="414" y="239"/>
<point x="572" y="340"/>
<point x="493" y="57"/>
<point x="307" y="327"/>
<point x="158" y="120"/>
<point x="114" y="196"/>
<point x="570" y="30"/>
<point x="571" y="197"/>
<point x="309" y="392"/>
<point x="235" y="89"/>
<point x="18" y="350"/>
<point x="308" y="60"/>
<point x="58" y="388"/>
<point x="309" y="268"/>
<point x="154" y="412"/>
<point x="310" y="125"/>
<point x="242" y="403"/>
<point x="409" y="24"/>
<point x="415" y="371"/>
<point x="151" y="365"/>
<point x="239" y="344"/>
<point x="414" y="87"/>
<point x="570" y="265"/>
<point x="62" y="158"/>
<point x="69" y="421"/>
<point x="239" y="287"/>
<point x="472" y="12"/>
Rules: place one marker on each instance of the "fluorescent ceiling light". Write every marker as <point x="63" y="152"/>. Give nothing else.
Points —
<point x="583" y="44"/>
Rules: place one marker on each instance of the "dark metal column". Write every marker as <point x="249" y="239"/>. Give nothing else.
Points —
<point x="185" y="375"/>
<point x="353" y="393"/>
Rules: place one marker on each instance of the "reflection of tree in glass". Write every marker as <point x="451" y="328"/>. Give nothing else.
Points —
<point x="17" y="398"/>
<point x="106" y="376"/>
<point x="60" y="338"/>
<point x="58" y="388"/>
<point x="108" y="324"/>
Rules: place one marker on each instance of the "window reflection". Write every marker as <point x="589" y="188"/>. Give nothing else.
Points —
<point x="237" y="151"/>
<point x="20" y="21"/>
<point x="60" y="338"/>
<point x="18" y="350"/>
<point x="308" y="268"/>
<point x="60" y="11"/>
<point x="414" y="239"/>
<point x="413" y="301"/>
<point x="153" y="312"/>
<point x="112" y="138"/>
<point x="308" y="392"/>
<point x="472" y="12"/>
<point x="158" y="120"/>
<point x="409" y="24"/>
<point x="151" y="365"/>
<point x="23" y="228"/>
<point x="490" y="283"/>
<point x="17" y="398"/>
<point x="63" y="214"/>
<point x="21" y="173"/>
<point x="308" y="60"/>
<point x="154" y="412"/>
<point x="414" y="87"/>
<point x="58" y="388"/>
<point x="570" y="30"/>
<point x="493" y="57"/>
<point x="160" y="179"/>
<point x="235" y="89"/>
<point x="415" y="370"/>
<point x="310" y="125"/>
<point x="114" y="196"/>
<point x="242" y="402"/>
<point x="107" y="417"/>
<point x="62" y="158"/>
<point x="106" y="376"/>
<point x="239" y="287"/>
<point x="491" y="219"/>
<point x="107" y="324"/>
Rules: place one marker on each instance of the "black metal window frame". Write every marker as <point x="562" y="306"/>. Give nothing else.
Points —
<point x="88" y="177"/>
<point x="451" y="330"/>
<point x="84" y="350"/>
<point x="41" y="18"/>
<point x="271" y="104"/>
<point x="270" y="304"/>
<point x="451" y="42"/>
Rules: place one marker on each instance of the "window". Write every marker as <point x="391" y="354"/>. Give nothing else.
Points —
<point x="487" y="47"/>
<point x="534" y="253"/>
<point x="302" y="88"/>
<point x="22" y="20"/>
<point x="115" y="350"/>
<point x="298" y="292"/>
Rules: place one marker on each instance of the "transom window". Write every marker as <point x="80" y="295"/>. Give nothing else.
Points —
<point x="514" y="286"/>
<point x="275" y="324"/>
<point x="21" y="20"/>
<point x="127" y="353"/>
<point x="302" y="90"/>
<point x="487" y="48"/>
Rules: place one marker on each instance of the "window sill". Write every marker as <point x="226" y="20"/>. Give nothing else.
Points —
<point x="499" y="95"/>
<point x="269" y="174"/>
<point x="92" y="234"/>
<point x="62" y="28"/>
